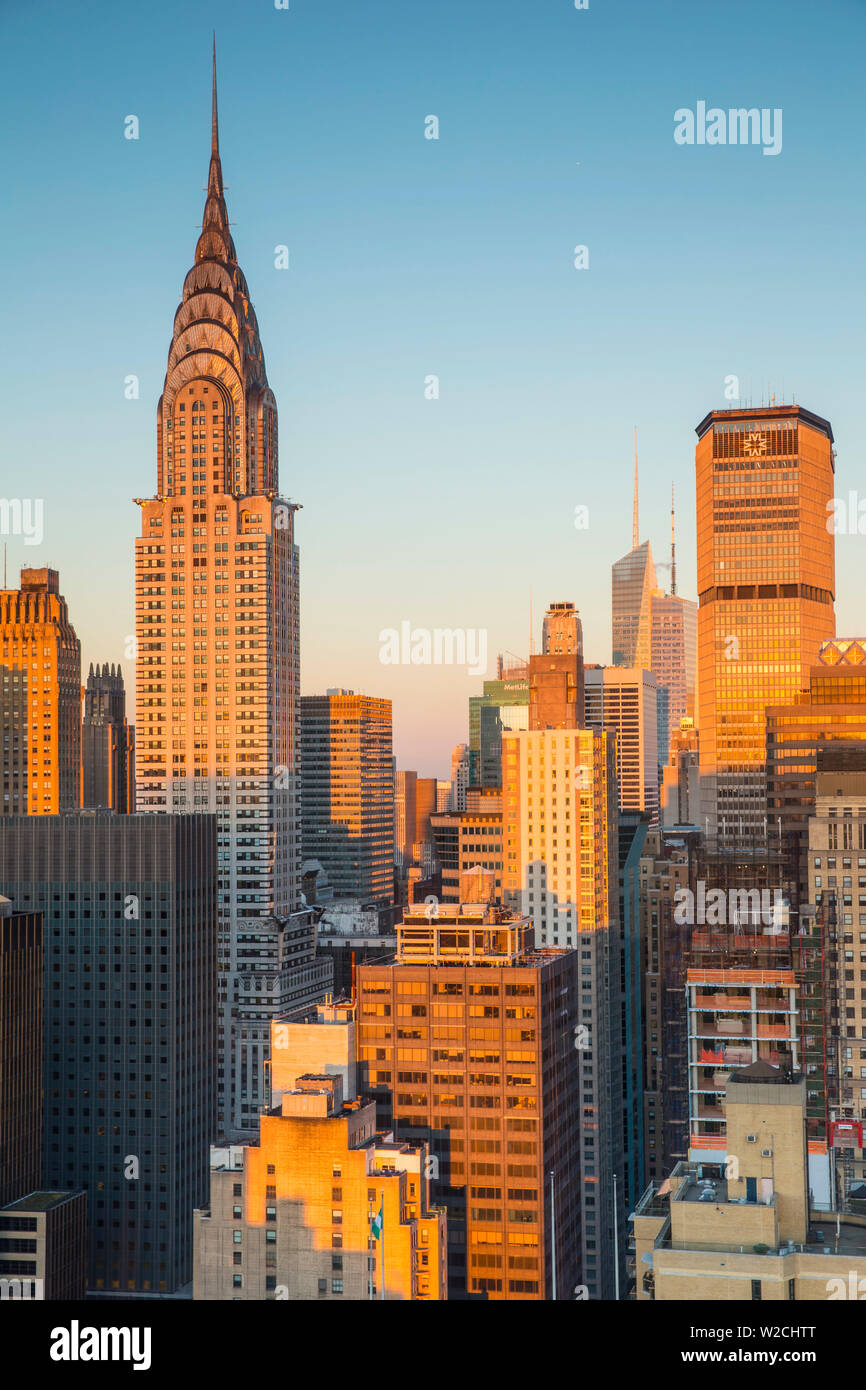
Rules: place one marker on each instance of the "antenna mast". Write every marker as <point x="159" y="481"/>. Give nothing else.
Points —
<point x="635" y="542"/>
<point x="673" y="548"/>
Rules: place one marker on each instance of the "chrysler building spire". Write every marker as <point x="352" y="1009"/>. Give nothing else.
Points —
<point x="216" y="340"/>
<point x="214" y="122"/>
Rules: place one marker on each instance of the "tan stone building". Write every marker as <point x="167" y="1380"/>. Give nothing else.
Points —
<point x="290" y="1217"/>
<point x="743" y="1229"/>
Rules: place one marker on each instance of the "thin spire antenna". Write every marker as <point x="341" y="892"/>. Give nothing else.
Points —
<point x="635" y="541"/>
<point x="530" y="624"/>
<point x="214" y="123"/>
<point x="673" y="548"/>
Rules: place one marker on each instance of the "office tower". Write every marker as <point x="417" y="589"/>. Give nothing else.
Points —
<point x="556" y="690"/>
<point x="443" y="795"/>
<point x="107" y="743"/>
<point x="673" y="661"/>
<point x="562" y="631"/>
<point x="468" y="840"/>
<point x="504" y="704"/>
<point x="46" y="1233"/>
<point x="680" y="789"/>
<point x="743" y="1228"/>
<point x="129" y="1067"/>
<point x="41" y="704"/>
<point x="559" y="831"/>
<point x="665" y="870"/>
<point x="21" y="1017"/>
<point x="459" y="776"/>
<point x="405" y="816"/>
<point x="765" y="589"/>
<point x="623" y="701"/>
<point x="627" y="998"/>
<point x="297" y="1207"/>
<point x="742" y="973"/>
<point x="467" y="1041"/>
<point x="633" y="581"/>
<point x="836" y="855"/>
<point x="217" y="673"/>
<point x="832" y="712"/>
<point x="347" y="792"/>
<point x="425" y="807"/>
<point x="560" y="870"/>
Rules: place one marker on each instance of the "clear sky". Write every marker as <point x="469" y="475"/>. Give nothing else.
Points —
<point x="412" y="257"/>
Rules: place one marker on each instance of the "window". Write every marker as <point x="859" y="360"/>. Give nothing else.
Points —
<point x="756" y="1289"/>
<point x="336" y="1286"/>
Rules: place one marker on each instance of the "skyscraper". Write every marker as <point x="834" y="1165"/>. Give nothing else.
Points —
<point x="459" y="776"/>
<point x="467" y="1041"/>
<point x="562" y="630"/>
<point x="347" y="792"/>
<point x="673" y="662"/>
<point x="40" y="708"/>
<point x="218" y="669"/>
<point x="503" y="705"/>
<point x="107" y="748"/>
<point x="470" y="840"/>
<point x="129" y="1066"/>
<point x="766" y="583"/>
<point x="624" y="702"/>
<point x="633" y="580"/>
<point x="21" y="1013"/>
<point x="405" y="816"/>
<point x="560" y="869"/>
<point x="831" y="714"/>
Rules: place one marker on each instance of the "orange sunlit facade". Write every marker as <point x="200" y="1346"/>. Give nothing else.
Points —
<point x="766" y="585"/>
<point x="41" y="668"/>
<point x="347" y="792"/>
<point x="217" y="667"/>
<point x="290" y="1217"/>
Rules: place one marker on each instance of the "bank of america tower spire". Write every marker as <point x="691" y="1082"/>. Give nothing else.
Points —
<point x="217" y="665"/>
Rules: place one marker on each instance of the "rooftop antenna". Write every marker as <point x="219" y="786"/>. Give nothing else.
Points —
<point x="530" y="623"/>
<point x="673" y="548"/>
<point x="635" y="542"/>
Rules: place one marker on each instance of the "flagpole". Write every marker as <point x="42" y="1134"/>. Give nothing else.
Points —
<point x="382" y="1241"/>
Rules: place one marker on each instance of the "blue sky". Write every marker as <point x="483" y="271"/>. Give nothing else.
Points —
<point x="412" y="257"/>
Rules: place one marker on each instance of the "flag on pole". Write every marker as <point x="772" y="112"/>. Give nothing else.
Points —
<point x="377" y="1223"/>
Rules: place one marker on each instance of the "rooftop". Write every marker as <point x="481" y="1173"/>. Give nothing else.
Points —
<point x="39" y="1201"/>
